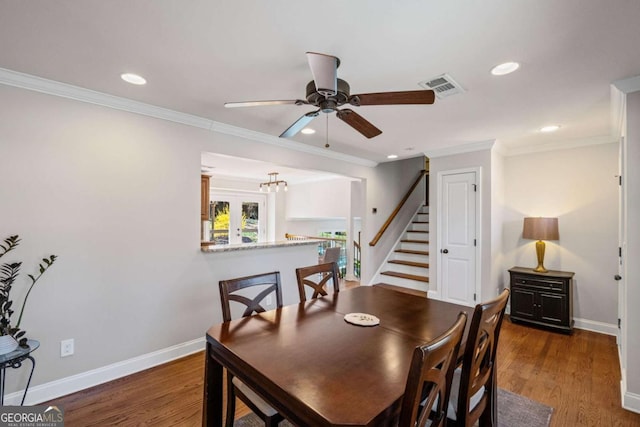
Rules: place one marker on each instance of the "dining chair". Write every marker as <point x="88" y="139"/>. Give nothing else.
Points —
<point x="265" y="284"/>
<point x="331" y="255"/>
<point x="474" y="386"/>
<point x="322" y="273"/>
<point x="426" y="395"/>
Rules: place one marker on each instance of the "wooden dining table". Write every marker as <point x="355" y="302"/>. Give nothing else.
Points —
<point x="318" y="370"/>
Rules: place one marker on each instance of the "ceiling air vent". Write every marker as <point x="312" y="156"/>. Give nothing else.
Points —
<point x="442" y="85"/>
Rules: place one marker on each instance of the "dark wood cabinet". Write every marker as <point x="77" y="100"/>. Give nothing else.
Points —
<point x="544" y="299"/>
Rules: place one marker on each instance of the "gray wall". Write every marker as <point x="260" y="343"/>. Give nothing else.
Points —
<point x="579" y="186"/>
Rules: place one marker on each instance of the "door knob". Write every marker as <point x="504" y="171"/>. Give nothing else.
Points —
<point x="617" y="277"/>
<point x="444" y="251"/>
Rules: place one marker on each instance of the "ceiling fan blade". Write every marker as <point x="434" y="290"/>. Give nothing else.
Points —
<point x="325" y="72"/>
<point x="394" y="98"/>
<point x="299" y="124"/>
<point x="358" y="122"/>
<point x="264" y="103"/>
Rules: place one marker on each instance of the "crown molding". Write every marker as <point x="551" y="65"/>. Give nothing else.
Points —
<point x="559" y="145"/>
<point x="628" y="85"/>
<point x="460" y="149"/>
<point x="76" y="93"/>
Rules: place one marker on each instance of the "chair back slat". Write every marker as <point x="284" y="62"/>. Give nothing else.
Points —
<point x="317" y="277"/>
<point x="252" y="304"/>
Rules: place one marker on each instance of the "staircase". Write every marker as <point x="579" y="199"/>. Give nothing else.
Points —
<point x="407" y="265"/>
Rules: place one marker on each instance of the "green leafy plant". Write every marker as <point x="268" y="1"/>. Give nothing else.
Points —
<point x="9" y="272"/>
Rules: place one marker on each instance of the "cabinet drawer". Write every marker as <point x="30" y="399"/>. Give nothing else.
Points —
<point x="546" y="284"/>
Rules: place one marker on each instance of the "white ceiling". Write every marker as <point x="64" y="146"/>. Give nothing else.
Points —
<point x="198" y="54"/>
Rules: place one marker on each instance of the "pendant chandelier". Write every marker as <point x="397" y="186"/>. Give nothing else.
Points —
<point x="273" y="181"/>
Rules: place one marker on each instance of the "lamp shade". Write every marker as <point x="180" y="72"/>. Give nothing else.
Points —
<point x="539" y="228"/>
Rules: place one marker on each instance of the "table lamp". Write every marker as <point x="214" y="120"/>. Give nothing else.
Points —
<point x="540" y="229"/>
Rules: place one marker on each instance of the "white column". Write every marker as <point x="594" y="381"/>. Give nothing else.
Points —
<point x="353" y="201"/>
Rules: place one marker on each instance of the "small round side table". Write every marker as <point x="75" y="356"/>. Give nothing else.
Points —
<point x="14" y="360"/>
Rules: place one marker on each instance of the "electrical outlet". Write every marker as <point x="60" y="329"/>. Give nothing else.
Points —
<point x="66" y="348"/>
<point x="269" y="300"/>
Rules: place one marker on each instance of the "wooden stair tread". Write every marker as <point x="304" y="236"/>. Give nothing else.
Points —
<point x="409" y="251"/>
<point x="402" y="289"/>
<point x="414" y="241"/>
<point x="406" y="276"/>
<point x="410" y="263"/>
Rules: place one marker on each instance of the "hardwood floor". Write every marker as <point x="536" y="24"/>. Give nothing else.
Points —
<point x="577" y="375"/>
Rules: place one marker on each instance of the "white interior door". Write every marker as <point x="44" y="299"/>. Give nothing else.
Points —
<point x="458" y="237"/>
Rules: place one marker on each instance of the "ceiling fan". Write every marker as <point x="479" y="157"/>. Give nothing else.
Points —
<point x="327" y="92"/>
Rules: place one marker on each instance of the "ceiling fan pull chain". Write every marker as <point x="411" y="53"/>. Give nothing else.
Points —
<point x="326" y="145"/>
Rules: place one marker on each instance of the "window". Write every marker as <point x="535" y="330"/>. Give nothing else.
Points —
<point x="237" y="218"/>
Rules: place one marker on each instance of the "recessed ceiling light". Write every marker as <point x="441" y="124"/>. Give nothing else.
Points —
<point x="308" y="131"/>
<point x="134" y="79"/>
<point x="392" y="156"/>
<point x="506" y="68"/>
<point x="548" y="129"/>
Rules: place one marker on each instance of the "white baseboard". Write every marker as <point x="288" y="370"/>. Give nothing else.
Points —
<point x="51" y="390"/>
<point x="433" y="294"/>
<point x="592" y="325"/>
<point x="630" y="401"/>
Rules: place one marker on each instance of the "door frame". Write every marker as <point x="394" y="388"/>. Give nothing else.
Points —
<point x="237" y="197"/>
<point x="622" y="250"/>
<point x="438" y="293"/>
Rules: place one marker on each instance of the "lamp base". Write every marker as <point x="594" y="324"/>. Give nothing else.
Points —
<point x="540" y="246"/>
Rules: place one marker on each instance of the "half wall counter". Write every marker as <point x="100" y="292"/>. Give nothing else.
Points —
<point x="223" y="262"/>
<point x="213" y="248"/>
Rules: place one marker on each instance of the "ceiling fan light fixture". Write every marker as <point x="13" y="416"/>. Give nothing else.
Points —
<point x="134" y="79"/>
<point x="392" y="156"/>
<point x="505" y="68"/>
<point x="324" y="69"/>
<point x="308" y="131"/>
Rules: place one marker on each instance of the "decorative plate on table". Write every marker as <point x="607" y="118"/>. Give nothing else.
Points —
<point x="362" y="319"/>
